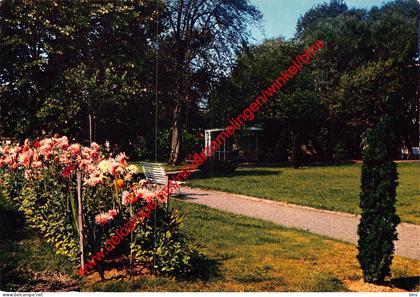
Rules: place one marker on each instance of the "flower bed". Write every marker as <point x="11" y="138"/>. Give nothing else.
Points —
<point x="40" y="177"/>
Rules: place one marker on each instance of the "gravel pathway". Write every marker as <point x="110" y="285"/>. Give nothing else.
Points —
<point x="337" y="225"/>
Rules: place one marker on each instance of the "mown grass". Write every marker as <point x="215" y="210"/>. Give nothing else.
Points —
<point x="333" y="187"/>
<point x="246" y="254"/>
<point x="243" y="254"/>
<point x="23" y="254"/>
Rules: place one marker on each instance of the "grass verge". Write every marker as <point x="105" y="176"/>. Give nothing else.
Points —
<point x="244" y="254"/>
<point x="247" y="254"/>
<point x="333" y="187"/>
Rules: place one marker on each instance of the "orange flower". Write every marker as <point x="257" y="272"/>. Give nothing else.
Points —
<point x="120" y="183"/>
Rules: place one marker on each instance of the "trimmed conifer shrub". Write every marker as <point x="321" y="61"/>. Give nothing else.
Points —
<point x="377" y="227"/>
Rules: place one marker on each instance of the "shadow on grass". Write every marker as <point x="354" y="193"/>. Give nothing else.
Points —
<point x="25" y="260"/>
<point x="199" y="175"/>
<point x="204" y="268"/>
<point x="186" y="197"/>
<point x="12" y="222"/>
<point x="406" y="283"/>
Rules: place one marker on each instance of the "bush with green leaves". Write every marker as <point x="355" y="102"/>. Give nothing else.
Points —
<point x="163" y="246"/>
<point x="219" y="166"/>
<point x="41" y="179"/>
<point x="378" y="223"/>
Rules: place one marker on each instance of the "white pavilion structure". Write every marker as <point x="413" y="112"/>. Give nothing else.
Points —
<point x="241" y="146"/>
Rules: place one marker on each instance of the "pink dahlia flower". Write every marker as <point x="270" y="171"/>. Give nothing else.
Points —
<point x="103" y="218"/>
<point x="113" y="213"/>
<point x="121" y="158"/>
<point x="126" y="199"/>
<point x="74" y="149"/>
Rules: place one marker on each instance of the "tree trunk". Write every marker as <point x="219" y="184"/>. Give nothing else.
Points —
<point x="330" y="142"/>
<point x="175" y="153"/>
<point x="295" y="150"/>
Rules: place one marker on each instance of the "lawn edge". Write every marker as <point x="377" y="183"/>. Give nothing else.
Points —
<point x="288" y="204"/>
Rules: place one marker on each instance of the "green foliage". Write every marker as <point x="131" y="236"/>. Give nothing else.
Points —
<point x="62" y="61"/>
<point x="365" y="69"/>
<point x="377" y="228"/>
<point x="47" y="197"/>
<point x="199" y="50"/>
<point x="218" y="166"/>
<point x="340" y="152"/>
<point x="367" y="66"/>
<point x="320" y="13"/>
<point x="43" y="203"/>
<point x="192" y="142"/>
<point x="165" y="249"/>
<point x="335" y="187"/>
<point x="140" y="147"/>
<point x="11" y="183"/>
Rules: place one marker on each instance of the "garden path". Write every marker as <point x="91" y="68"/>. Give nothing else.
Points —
<point x="332" y="224"/>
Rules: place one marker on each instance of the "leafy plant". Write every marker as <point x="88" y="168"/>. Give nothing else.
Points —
<point x="378" y="224"/>
<point x="165" y="249"/>
<point x="219" y="166"/>
<point x="40" y="177"/>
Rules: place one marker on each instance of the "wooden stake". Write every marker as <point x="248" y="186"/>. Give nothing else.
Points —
<point x="80" y="217"/>
<point x="90" y="128"/>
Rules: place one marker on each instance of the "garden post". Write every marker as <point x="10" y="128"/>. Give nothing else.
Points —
<point x="90" y="128"/>
<point x="80" y="217"/>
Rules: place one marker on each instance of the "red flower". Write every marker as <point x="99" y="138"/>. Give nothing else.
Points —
<point x="139" y="196"/>
<point x="67" y="171"/>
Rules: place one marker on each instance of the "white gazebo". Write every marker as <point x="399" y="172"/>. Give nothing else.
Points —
<point x="242" y="146"/>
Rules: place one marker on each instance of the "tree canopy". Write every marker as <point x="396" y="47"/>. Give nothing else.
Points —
<point x="365" y="70"/>
<point x="64" y="62"/>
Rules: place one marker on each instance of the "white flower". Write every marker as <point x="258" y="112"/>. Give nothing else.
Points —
<point x="133" y="169"/>
<point x="104" y="166"/>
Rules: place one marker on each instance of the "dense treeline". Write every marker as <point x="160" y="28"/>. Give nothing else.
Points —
<point x="367" y="69"/>
<point x="63" y="62"/>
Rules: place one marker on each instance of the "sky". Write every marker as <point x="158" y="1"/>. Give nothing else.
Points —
<point x="280" y="16"/>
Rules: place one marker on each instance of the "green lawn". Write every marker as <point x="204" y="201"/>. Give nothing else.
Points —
<point x="27" y="262"/>
<point x="334" y="187"/>
<point x="247" y="254"/>
<point x="243" y="254"/>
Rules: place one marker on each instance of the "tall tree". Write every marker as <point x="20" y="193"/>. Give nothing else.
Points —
<point x="63" y="60"/>
<point x="319" y="13"/>
<point x="366" y="50"/>
<point x="378" y="224"/>
<point x="293" y="116"/>
<point x="202" y="37"/>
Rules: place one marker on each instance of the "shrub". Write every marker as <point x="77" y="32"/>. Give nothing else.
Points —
<point x="377" y="227"/>
<point x="167" y="251"/>
<point x="40" y="177"/>
<point x="139" y="146"/>
<point x="218" y="166"/>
